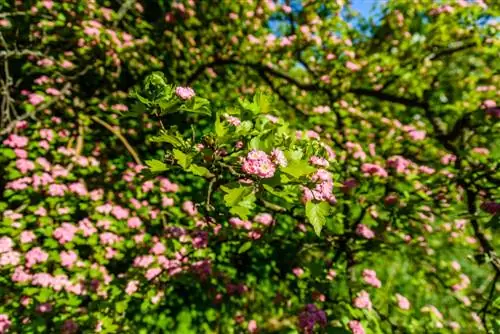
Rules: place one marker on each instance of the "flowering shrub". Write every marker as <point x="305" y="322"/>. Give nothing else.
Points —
<point x="248" y="166"/>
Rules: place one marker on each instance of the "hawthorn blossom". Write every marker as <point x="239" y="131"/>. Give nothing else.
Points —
<point x="364" y="231"/>
<point x="356" y="327"/>
<point x="185" y="93"/>
<point x="370" y="277"/>
<point x="258" y="163"/>
<point x="403" y="302"/>
<point x="362" y="300"/>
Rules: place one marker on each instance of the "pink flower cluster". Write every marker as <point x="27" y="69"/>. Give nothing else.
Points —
<point x="373" y="170"/>
<point x="258" y="163"/>
<point x="185" y="93"/>
<point x="356" y="327"/>
<point x="370" y="278"/>
<point x="364" y="231"/>
<point x="403" y="302"/>
<point x="4" y="323"/>
<point x="323" y="190"/>
<point x="362" y="300"/>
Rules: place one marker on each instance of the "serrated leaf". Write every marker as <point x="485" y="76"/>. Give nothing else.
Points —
<point x="156" y="166"/>
<point x="220" y="130"/>
<point x="298" y="168"/>
<point x="168" y="138"/>
<point x="235" y="195"/>
<point x="316" y="214"/>
<point x="200" y="171"/>
<point x="245" y="247"/>
<point x="182" y="158"/>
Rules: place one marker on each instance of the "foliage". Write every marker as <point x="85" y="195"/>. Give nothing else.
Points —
<point x="249" y="166"/>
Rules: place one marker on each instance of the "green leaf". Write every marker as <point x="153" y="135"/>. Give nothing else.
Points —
<point x="200" y="171"/>
<point x="156" y="166"/>
<point x="235" y="195"/>
<point x="245" y="247"/>
<point x="176" y="141"/>
<point x="220" y="130"/>
<point x="316" y="214"/>
<point x="298" y="168"/>
<point x="182" y="158"/>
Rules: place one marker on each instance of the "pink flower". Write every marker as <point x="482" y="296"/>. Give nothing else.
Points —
<point x="119" y="212"/>
<point x="10" y="258"/>
<point x="298" y="271"/>
<point x="152" y="273"/>
<point x="185" y="93"/>
<point x="362" y="300"/>
<point x="370" y="277"/>
<point x="108" y="238"/>
<point x="403" y="302"/>
<point x="352" y="66"/>
<point x="48" y="4"/>
<point x="331" y="275"/>
<point x="6" y="244"/>
<point x="318" y="161"/>
<point x="132" y="287"/>
<point x="252" y="326"/>
<point x="27" y="237"/>
<point x="158" y="248"/>
<point x="134" y="222"/>
<point x="235" y="121"/>
<point x="364" y="231"/>
<point x="44" y="308"/>
<point x="20" y="153"/>
<point x="189" y="208"/>
<point x="52" y="91"/>
<point x="4" y="323"/>
<point x="65" y="233"/>
<point x="321" y="109"/>
<point x="15" y="141"/>
<point x="278" y="157"/>
<point x="356" y="327"/>
<point x="34" y="256"/>
<point x="68" y="258"/>
<point x="264" y="218"/>
<point x="35" y="99"/>
<point x="373" y="170"/>
<point x="258" y="163"/>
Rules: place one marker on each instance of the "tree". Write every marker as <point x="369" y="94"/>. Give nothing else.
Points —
<point x="249" y="166"/>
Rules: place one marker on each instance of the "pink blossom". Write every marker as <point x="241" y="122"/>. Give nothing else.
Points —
<point x="34" y="256"/>
<point x="331" y="275"/>
<point x="57" y="189"/>
<point x="6" y="244"/>
<point x="53" y="91"/>
<point x="185" y="93"/>
<point x="373" y="170"/>
<point x="189" y="208"/>
<point x="356" y="327"/>
<point x="119" y="212"/>
<point x="86" y="227"/>
<point x="298" y="271"/>
<point x="152" y="273"/>
<point x="15" y="141"/>
<point x="252" y="326"/>
<point x="65" y="233"/>
<point x="278" y="157"/>
<point x="27" y="237"/>
<point x="318" y="161"/>
<point x="10" y="258"/>
<point x="132" y="287"/>
<point x="235" y="121"/>
<point x="264" y="218"/>
<point x="134" y="222"/>
<point x="365" y="232"/>
<point x="403" y="302"/>
<point x="258" y="163"/>
<point x="68" y="258"/>
<point x="352" y="66"/>
<point x="108" y="238"/>
<point x="158" y="248"/>
<point x="35" y="99"/>
<point x="362" y="300"/>
<point x="370" y="277"/>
